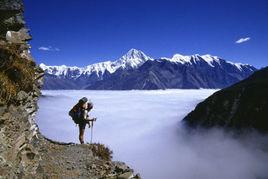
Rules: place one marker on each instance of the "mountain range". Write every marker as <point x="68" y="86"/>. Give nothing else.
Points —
<point x="135" y="70"/>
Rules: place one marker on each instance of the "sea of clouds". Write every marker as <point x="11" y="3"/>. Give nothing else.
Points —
<point x="143" y="128"/>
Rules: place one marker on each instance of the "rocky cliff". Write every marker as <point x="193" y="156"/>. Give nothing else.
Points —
<point x="24" y="152"/>
<point x="241" y="106"/>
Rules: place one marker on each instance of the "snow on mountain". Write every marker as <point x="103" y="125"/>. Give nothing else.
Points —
<point x="209" y="59"/>
<point x="99" y="68"/>
<point x="60" y="70"/>
<point x="132" y="59"/>
<point x="239" y="65"/>
<point x="178" y="58"/>
<point x="135" y="70"/>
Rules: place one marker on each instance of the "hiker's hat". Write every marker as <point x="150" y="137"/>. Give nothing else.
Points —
<point x="83" y="100"/>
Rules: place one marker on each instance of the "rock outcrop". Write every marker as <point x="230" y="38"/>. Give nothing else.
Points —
<point x="241" y="106"/>
<point x="24" y="151"/>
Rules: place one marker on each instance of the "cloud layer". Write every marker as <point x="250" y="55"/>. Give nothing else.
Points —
<point x="242" y="40"/>
<point x="143" y="130"/>
<point x="49" y="48"/>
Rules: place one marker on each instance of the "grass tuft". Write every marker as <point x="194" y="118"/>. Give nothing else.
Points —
<point x="16" y="73"/>
<point x="101" y="151"/>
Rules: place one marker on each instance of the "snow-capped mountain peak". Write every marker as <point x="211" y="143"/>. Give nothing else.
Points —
<point x="181" y="59"/>
<point x="179" y="71"/>
<point x="135" y="58"/>
<point x="134" y="54"/>
<point x="132" y="59"/>
<point x="60" y="70"/>
<point x="100" y="68"/>
<point x="193" y="59"/>
<point x="43" y="66"/>
<point x="210" y="59"/>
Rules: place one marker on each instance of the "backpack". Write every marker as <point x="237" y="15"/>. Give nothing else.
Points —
<point x="76" y="114"/>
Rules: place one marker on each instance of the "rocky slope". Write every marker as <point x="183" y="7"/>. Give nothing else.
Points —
<point x="241" y="106"/>
<point x="24" y="152"/>
<point x="135" y="70"/>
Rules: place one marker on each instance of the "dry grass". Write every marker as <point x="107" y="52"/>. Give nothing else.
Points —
<point x="101" y="151"/>
<point x="16" y="73"/>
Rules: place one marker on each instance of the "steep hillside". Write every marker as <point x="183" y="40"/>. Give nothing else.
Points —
<point x="243" y="105"/>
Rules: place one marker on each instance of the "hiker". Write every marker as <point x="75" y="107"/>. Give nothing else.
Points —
<point x="79" y="114"/>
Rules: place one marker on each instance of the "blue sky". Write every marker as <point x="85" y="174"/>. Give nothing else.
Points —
<point x="82" y="32"/>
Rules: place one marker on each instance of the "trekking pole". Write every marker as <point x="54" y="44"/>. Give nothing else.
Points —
<point x="91" y="132"/>
<point x="92" y="121"/>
